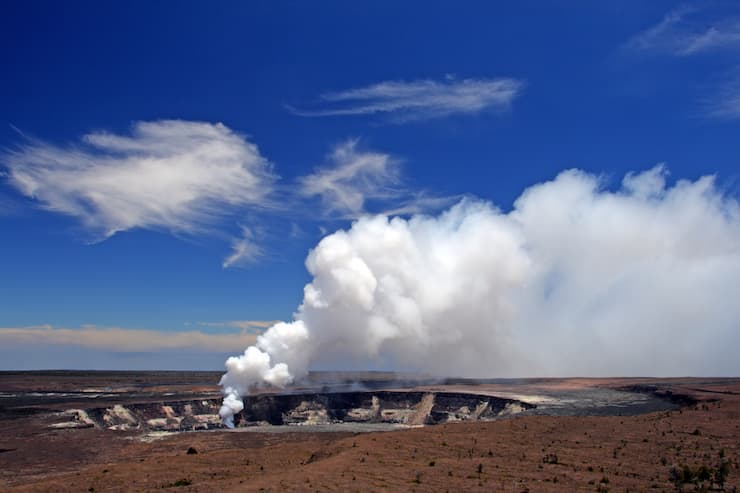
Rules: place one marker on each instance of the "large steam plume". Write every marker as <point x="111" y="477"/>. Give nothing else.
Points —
<point x="575" y="280"/>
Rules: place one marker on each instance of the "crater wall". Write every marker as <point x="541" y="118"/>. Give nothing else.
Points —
<point x="391" y="407"/>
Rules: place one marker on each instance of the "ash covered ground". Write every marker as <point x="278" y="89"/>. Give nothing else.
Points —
<point x="119" y="431"/>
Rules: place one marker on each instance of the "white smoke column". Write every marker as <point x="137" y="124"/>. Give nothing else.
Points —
<point x="642" y="281"/>
<point x="574" y="280"/>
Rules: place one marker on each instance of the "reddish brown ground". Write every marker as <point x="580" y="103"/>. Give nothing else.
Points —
<point x="533" y="453"/>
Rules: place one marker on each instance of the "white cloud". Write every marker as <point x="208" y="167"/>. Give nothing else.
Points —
<point x="420" y="99"/>
<point x="244" y="250"/>
<point x="173" y="175"/>
<point x="355" y="177"/>
<point x="352" y="178"/>
<point x="684" y="32"/>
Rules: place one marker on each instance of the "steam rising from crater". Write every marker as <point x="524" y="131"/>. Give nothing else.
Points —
<point x="575" y="280"/>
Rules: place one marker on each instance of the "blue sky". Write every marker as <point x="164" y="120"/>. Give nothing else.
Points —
<point x="337" y="109"/>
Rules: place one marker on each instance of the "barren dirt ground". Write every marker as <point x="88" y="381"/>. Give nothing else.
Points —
<point x="525" y="453"/>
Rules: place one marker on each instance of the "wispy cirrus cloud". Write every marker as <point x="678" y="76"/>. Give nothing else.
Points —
<point x="421" y="203"/>
<point x="703" y="30"/>
<point x="416" y="100"/>
<point x="357" y="181"/>
<point x="688" y="31"/>
<point x="184" y="177"/>
<point x="251" y="326"/>
<point x="174" y="175"/>
<point x="351" y="178"/>
<point x="244" y="250"/>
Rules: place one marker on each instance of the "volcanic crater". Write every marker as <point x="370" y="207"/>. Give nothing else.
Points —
<point x="125" y="431"/>
<point x="404" y="408"/>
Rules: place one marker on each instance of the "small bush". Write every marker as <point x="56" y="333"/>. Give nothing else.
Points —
<point x="720" y="474"/>
<point x="550" y="459"/>
<point x="703" y="473"/>
<point x="179" y="483"/>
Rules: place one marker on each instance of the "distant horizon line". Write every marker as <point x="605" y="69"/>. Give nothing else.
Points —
<point x="406" y="373"/>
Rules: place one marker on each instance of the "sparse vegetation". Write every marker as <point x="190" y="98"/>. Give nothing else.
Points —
<point x="179" y="483"/>
<point x="552" y="454"/>
<point x="550" y="459"/>
<point x="703" y="477"/>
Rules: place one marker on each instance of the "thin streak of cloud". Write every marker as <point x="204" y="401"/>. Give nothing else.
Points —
<point x="173" y="175"/>
<point x="296" y="231"/>
<point x="353" y="177"/>
<point x="421" y="99"/>
<point x="244" y="250"/>
<point x="421" y="203"/>
<point x="251" y="326"/>
<point x="124" y="340"/>
<point x="357" y="181"/>
<point x="699" y="31"/>
<point x="682" y="33"/>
